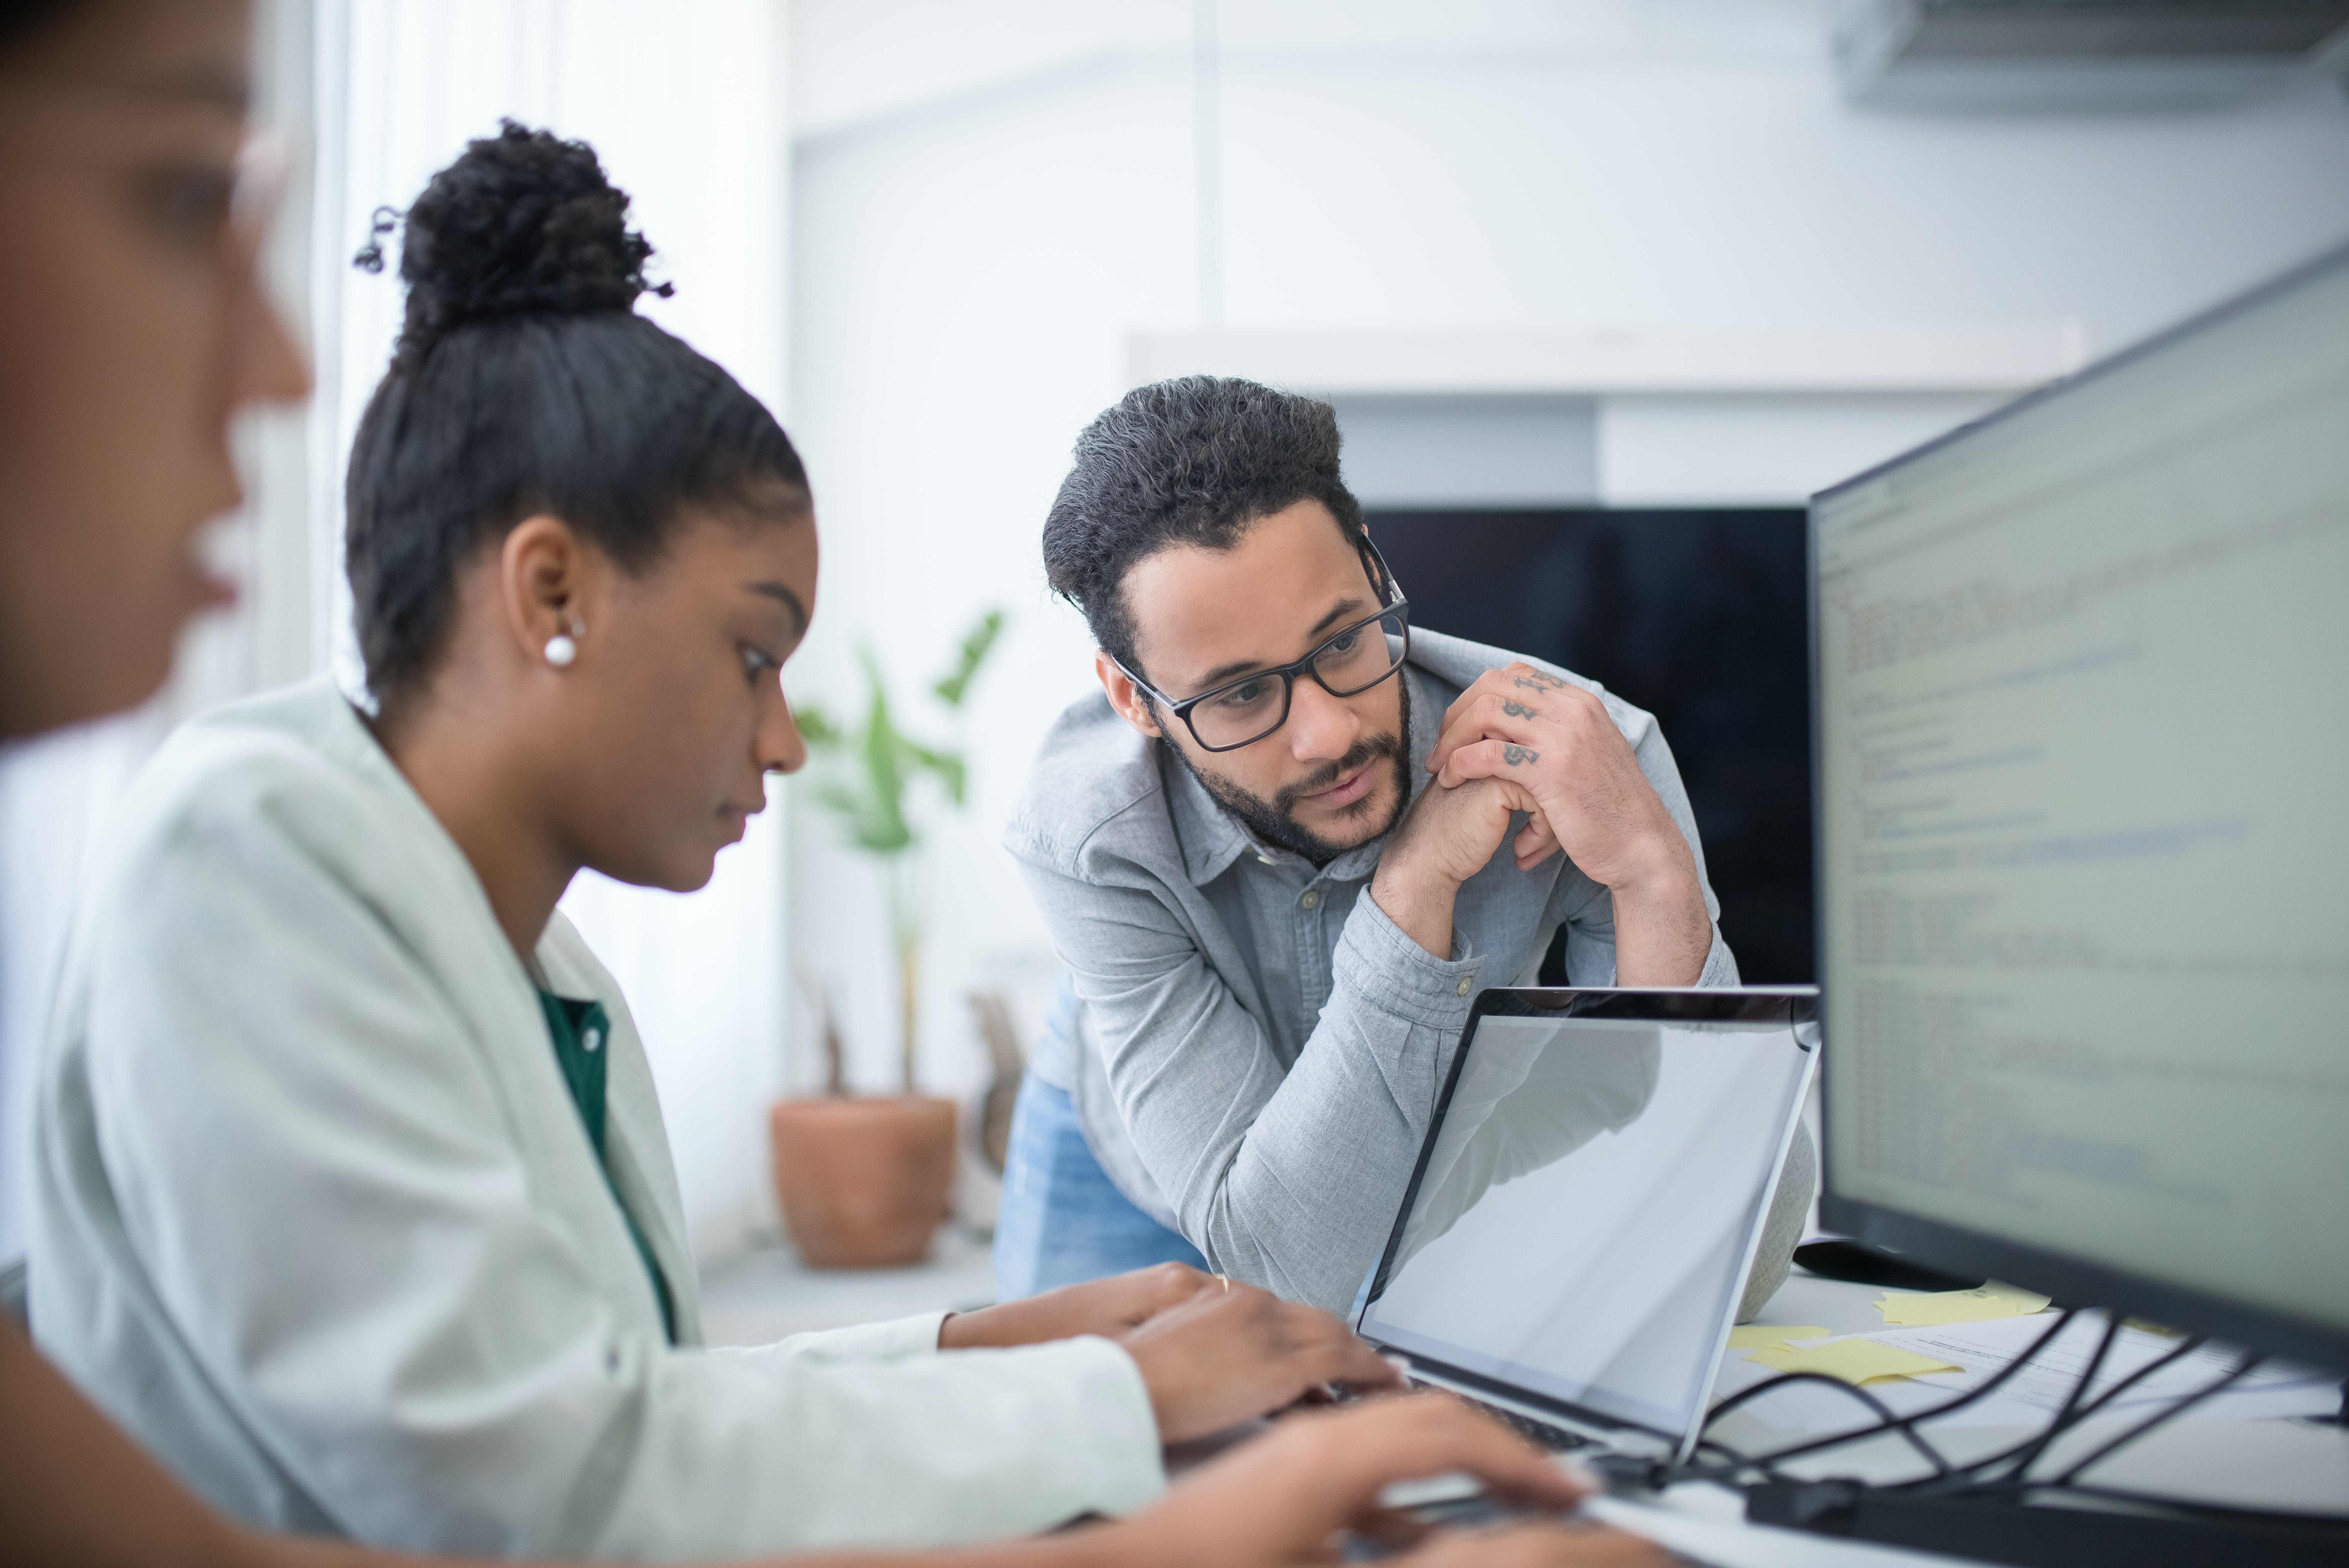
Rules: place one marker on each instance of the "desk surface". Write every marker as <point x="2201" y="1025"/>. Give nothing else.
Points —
<point x="2257" y="1463"/>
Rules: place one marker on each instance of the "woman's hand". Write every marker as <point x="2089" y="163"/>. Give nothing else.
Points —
<point x="1535" y="1546"/>
<point x="1233" y="1352"/>
<point x="1111" y="1307"/>
<point x="1213" y="1354"/>
<point x="1279" y="1500"/>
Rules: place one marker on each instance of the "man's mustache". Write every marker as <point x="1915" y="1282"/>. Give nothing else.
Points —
<point x="1321" y="778"/>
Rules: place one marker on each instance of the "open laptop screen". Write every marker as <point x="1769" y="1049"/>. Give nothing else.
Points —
<point x="1588" y="1200"/>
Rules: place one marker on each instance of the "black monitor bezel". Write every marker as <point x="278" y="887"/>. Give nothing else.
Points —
<point x="2067" y="1278"/>
<point x="1787" y="1004"/>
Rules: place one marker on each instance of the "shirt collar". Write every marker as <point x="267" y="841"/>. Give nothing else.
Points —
<point x="1212" y="838"/>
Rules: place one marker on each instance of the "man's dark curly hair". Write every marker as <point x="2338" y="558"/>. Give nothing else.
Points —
<point x="1194" y="460"/>
<point x="525" y="382"/>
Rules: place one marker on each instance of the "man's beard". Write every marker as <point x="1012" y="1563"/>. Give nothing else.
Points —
<point x="1269" y="821"/>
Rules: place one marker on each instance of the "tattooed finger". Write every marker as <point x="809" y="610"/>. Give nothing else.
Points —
<point x="1513" y="755"/>
<point x="1534" y="680"/>
<point x="1517" y="709"/>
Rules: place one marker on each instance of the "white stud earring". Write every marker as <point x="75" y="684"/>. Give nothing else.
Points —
<point x="564" y="647"/>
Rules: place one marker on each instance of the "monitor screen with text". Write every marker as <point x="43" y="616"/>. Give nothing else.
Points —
<point x="2083" y="769"/>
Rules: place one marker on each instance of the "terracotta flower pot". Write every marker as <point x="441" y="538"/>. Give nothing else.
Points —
<point x="863" y="1183"/>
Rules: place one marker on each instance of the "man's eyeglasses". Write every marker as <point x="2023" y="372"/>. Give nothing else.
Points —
<point x="1242" y="712"/>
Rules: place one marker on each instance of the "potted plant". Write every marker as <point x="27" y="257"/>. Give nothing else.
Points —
<point x="863" y="1181"/>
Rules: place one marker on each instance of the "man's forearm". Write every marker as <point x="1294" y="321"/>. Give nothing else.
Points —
<point x="1420" y="902"/>
<point x="1662" y="930"/>
<point x="1344" y="1123"/>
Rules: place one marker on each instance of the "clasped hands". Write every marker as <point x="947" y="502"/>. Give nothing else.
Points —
<point x="1522" y="740"/>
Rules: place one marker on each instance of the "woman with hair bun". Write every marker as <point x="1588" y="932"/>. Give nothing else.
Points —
<point x="355" y="1203"/>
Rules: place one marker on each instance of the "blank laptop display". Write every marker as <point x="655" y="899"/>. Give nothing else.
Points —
<point x="1588" y="1204"/>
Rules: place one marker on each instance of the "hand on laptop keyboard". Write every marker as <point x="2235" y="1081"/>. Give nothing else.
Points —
<point x="1232" y="1352"/>
<point x="1319" y="1473"/>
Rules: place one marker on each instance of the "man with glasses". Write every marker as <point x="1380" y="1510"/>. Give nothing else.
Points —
<point x="1283" y="848"/>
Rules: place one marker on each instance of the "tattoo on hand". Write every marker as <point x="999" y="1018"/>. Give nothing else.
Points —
<point x="1513" y="755"/>
<point x="1517" y="709"/>
<point x="1536" y="681"/>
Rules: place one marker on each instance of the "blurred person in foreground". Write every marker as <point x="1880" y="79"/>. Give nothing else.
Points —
<point x="131" y="331"/>
<point x="1282" y="849"/>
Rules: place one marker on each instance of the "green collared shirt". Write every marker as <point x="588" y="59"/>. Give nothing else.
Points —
<point x="579" y="1030"/>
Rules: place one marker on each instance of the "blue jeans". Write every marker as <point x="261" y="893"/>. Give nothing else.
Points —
<point x="1062" y="1220"/>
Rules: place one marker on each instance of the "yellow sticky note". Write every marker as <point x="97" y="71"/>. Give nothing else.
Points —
<point x="1760" y="1336"/>
<point x="1908" y="1309"/>
<point x="1853" y="1360"/>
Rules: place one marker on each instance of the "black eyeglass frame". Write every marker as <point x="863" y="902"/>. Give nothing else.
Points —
<point x="1382" y="578"/>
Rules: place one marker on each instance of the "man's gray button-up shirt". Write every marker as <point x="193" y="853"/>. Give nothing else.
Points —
<point x="1259" y="1048"/>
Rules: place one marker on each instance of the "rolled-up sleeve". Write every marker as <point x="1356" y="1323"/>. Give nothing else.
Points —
<point x="1284" y="1178"/>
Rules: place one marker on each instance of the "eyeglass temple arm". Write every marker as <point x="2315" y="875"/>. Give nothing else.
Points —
<point x="1148" y="690"/>
<point x="1383" y="577"/>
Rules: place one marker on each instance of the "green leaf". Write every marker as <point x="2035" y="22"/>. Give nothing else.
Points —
<point x="948" y="765"/>
<point x="840" y="798"/>
<point x="877" y="763"/>
<point x="880" y="837"/>
<point x="816" y="725"/>
<point x="974" y="651"/>
<point x="882" y="753"/>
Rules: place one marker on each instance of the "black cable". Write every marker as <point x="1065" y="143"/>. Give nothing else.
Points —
<point x="2185" y="1348"/>
<point x="1719" y="1447"/>
<point x="1889" y="1423"/>
<point x="2015" y="1485"/>
<point x="2018" y="1488"/>
<point x="2086" y="1411"/>
<point x="2064" y="1415"/>
<point x="2251" y="1359"/>
<point x="1781" y="1380"/>
<point x="1886" y="1421"/>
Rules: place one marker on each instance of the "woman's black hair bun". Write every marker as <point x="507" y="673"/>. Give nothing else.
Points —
<point x="523" y="223"/>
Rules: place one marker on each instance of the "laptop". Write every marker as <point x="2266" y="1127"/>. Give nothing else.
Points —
<point x="1588" y="1203"/>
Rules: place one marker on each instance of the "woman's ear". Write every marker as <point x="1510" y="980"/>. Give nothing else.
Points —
<point x="543" y="570"/>
<point x="1125" y="696"/>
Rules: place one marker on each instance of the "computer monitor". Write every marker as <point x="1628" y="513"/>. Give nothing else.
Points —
<point x="2082" y="720"/>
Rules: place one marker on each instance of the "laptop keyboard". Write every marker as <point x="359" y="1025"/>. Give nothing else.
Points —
<point x="1557" y="1439"/>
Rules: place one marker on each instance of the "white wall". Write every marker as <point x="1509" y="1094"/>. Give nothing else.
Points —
<point x="685" y="105"/>
<point x="991" y="199"/>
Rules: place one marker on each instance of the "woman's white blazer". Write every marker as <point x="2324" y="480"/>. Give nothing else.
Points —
<point x="318" y="1221"/>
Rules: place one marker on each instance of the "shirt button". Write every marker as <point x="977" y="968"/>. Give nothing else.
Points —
<point x="1312" y="899"/>
<point x="595" y="1037"/>
<point x="1467" y="984"/>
